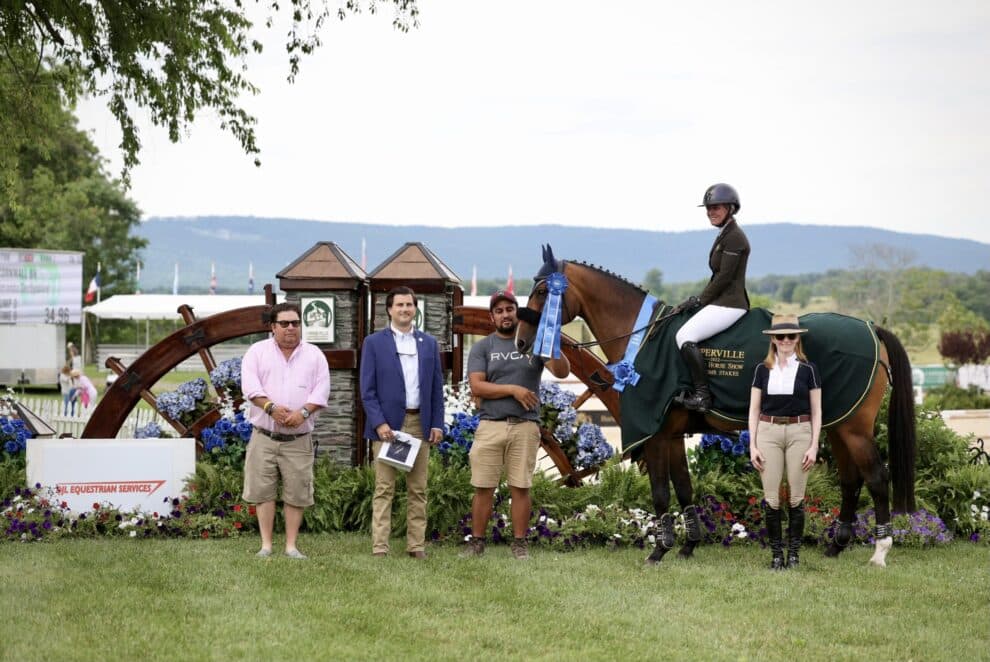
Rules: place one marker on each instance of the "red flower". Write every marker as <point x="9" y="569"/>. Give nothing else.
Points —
<point x="813" y="509"/>
<point x="252" y="510"/>
<point x="728" y="516"/>
<point x="96" y="506"/>
<point x="237" y="525"/>
<point x="64" y="504"/>
<point x="205" y="534"/>
<point x="835" y="512"/>
<point x="155" y="515"/>
<point x="752" y="500"/>
<point x="237" y="508"/>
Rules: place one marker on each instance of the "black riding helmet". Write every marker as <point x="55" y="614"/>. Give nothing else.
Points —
<point x="721" y="194"/>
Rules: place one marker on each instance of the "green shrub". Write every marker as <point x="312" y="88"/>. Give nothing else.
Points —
<point x="343" y="498"/>
<point x="955" y="494"/>
<point x="950" y="396"/>
<point x="624" y="486"/>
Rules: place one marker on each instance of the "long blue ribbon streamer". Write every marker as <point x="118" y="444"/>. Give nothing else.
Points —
<point x="547" y="343"/>
<point x="623" y="371"/>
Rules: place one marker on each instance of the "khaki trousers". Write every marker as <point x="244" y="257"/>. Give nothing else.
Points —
<point x="381" y="521"/>
<point x="783" y="447"/>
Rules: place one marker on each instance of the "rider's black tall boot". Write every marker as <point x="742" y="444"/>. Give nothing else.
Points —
<point x="701" y="399"/>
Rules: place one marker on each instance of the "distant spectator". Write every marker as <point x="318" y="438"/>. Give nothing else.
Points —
<point x="68" y="388"/>
<point x="75" y="359"/>
<point x="86" y="389"/>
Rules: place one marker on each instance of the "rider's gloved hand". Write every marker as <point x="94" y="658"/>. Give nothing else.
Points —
<point x="690" y="303"/>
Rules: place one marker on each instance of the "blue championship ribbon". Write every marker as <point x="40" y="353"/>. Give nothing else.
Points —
<point x="623" y="371"/>
<point x="547" y="343"/>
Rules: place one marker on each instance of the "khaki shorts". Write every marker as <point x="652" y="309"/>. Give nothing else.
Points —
<point x="504" y="445"/>
<point x="267" y="459"/>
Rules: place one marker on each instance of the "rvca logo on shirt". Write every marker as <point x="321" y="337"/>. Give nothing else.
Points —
<point x="506" y="356"/>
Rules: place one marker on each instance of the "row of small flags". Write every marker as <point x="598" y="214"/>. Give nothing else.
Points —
<point x="93" y="291"/>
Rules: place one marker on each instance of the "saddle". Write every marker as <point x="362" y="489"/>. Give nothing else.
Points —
<point x="845" y="349"/>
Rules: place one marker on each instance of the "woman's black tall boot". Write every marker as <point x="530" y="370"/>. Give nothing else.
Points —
<point x="775" y="536"/>
<point x="795" y="533"/>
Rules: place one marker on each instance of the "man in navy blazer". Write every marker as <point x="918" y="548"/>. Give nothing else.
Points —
<point x="401" y="389"/>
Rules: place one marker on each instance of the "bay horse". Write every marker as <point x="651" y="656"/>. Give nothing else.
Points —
<point x="610" y="305"/>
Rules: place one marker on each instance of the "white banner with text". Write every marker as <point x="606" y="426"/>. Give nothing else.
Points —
<point x="127" y="473"/>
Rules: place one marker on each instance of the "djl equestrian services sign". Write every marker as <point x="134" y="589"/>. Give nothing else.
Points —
<point x="130" y="474"/>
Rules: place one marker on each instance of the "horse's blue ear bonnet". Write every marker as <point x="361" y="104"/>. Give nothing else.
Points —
<point x="550" y="265"/>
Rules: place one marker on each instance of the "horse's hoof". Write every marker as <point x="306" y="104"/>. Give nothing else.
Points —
<point x="832" y="550"/>
<point x="879" y="557"/>
<point x="687" y="552"/>
<point x="651" y="562"/>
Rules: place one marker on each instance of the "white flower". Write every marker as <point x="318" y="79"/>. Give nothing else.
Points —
<point x="652" y="539"/>
<point x="976" y="494"/>
<point x="591" y="509"/>
<point x="738" y="528"/>
<point x="133" y="534"/>
<point x="617" y="536"/>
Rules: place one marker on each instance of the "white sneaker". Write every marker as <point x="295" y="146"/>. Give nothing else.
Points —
<point x="264" y="553"/>
<point x="296" y="554"/>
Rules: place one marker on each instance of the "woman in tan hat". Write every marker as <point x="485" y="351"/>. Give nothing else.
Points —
<point x="785" y="422"/>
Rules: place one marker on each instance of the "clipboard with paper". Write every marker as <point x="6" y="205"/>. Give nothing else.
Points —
<point x="400" y="453"/>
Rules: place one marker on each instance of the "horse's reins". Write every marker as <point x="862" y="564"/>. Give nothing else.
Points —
<point x="649" y="328"/>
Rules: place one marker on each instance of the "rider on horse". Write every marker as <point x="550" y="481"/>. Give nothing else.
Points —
<point x="724" y="299"/>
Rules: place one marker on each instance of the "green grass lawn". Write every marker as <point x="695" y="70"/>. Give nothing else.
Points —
<point x="128" y="599"/>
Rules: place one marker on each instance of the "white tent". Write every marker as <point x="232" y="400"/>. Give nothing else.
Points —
<point x="166" y="306"/>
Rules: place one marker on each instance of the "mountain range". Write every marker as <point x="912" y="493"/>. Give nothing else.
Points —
<point x="271" y="244"/>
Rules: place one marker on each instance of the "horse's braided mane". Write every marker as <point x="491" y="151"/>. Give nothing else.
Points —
<point x="612" y="274"/>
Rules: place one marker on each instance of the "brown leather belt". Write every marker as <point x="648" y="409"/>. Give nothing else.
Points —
<point x="412" y="411"/>
<point x="785" y="420"/>
<point x="278" y="436"/>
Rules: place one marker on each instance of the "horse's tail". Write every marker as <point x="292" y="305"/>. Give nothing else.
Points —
<point x="900" y="423"/>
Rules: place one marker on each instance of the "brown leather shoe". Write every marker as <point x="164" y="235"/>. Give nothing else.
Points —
<point x="421" y="555"/>
<point x="379" y="553"/>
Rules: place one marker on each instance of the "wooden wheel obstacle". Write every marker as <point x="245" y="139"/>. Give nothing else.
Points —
<point x="134" y="382"/>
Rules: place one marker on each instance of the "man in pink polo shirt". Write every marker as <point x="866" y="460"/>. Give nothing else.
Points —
<point x="287" y="382"/>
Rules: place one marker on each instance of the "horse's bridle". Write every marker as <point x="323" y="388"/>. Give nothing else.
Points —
<point x="533" y="318"/>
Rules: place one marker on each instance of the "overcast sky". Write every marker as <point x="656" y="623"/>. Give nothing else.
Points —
<point x="615" y="114"/>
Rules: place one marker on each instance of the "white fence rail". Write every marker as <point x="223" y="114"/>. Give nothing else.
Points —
<point x="129" y="353"/>
<point x="52" y="412"/>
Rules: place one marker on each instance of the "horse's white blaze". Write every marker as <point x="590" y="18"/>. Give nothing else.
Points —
<point x="879" y="557"/>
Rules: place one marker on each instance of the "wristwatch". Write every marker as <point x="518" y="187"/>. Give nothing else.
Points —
<point x="305" y="413"/>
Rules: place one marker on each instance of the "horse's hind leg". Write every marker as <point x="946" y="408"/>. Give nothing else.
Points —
<point x="658" y="469"/>
<point x="874" y="472"/>
<point x="677" y="459"/>
<point x="850" y="483"/>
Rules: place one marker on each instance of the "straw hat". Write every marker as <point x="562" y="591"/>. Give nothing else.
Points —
<point x="784" y="324"/>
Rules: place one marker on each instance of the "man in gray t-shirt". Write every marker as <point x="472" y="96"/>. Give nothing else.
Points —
<point x="508" y="436"/>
